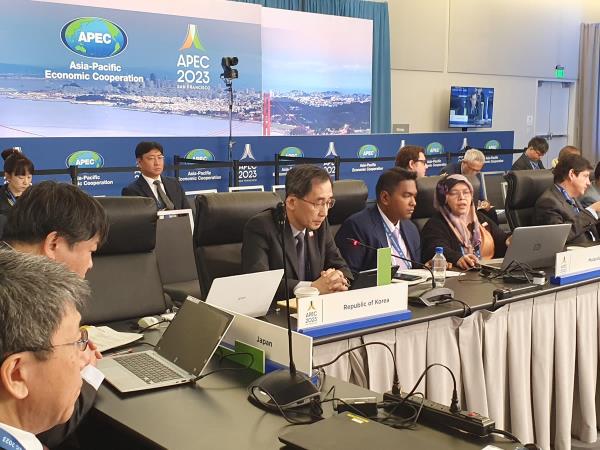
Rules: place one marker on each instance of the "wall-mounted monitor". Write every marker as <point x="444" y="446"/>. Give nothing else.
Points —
<point x="471" y="107"/>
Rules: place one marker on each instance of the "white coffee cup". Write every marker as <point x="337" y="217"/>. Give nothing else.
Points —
<point x="306" y="291"/>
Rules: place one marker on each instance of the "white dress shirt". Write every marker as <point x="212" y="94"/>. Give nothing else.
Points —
<point x="153" y="187"/>
<point x="397" y="261"/>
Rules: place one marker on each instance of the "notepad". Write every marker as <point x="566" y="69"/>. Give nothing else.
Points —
<point x="106" y="338"/>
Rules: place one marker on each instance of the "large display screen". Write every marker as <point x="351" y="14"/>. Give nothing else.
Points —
<point x="471" y="107"/>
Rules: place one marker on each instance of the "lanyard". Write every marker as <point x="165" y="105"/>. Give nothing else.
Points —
<point x="9" y="442"/>
<point x="568" y="198"/>
<point x="395" y="244"/>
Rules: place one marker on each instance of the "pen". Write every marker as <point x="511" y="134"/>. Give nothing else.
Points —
<point x="124" y="352"/>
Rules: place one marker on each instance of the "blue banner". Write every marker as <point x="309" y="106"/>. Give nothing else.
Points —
<point x="59" y="153"/>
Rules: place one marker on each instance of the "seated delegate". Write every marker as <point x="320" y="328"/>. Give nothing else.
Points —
<point x="312" y="257"/>
<point x="18" y="172"/>
<point x="560" y="202"/>
<point x="466" y="235"/>
<point x="385" y="224"/>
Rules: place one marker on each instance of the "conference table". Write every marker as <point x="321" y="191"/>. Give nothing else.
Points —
<point x="529" y="362"/>
<point x="215" y="414"/>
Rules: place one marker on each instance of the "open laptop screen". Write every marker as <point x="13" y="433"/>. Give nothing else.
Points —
<point x="193" y="336"/>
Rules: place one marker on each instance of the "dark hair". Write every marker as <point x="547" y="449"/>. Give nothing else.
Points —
<point x="407" y="154"/>
<point x="576" y="162"/>
<point x="388" y="181"/>
<point x="49" y="206"/>
<point x="568" y="150"/>
<point x="538" y="143"/>
<point x="16" y="163"/>
<point x="298" y="181"/>
<point x="145" y="146"/>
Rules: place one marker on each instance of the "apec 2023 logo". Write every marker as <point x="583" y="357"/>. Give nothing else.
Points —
<point x="85" y="159"/>
<point x="94" y="37"/>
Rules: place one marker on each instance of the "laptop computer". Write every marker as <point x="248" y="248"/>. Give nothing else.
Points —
<point x="180" y="355"/>
<point x="368" y="278"/>
<point x="348" y="431"/>
<point x="250" y="294"/>
<point x="534" y="246"/>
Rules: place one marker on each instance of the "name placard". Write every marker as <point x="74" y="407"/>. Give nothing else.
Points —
<point x="577" y="261"/>
<point x="317" y="316"/>
<point x="273" y="340"/>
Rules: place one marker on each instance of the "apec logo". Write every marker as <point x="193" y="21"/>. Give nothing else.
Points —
<point x="492" y="145"/>
<point x="200" y="154"/>
<point x="94" y="37"/>
<point x="292" y="152"/>
<point x="85" y="159"/>
<point x="434" y="148"/>
<point x="368" y="151"/>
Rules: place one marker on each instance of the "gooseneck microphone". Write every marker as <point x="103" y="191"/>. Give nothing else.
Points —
<point x="428" y="297"/>
<point x="285" y="388"/>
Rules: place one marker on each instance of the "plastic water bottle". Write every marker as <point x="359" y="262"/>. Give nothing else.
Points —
<point x="439" y="267"/>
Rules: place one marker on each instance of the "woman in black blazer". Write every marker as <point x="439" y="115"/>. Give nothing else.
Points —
<point x="466" y="235"/>
<point x="18" y="171"/>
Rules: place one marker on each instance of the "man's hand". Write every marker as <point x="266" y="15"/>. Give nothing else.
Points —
<point x="91" y="354"/>
<point x="331" y="280"/>
<point x="468" y="262"/>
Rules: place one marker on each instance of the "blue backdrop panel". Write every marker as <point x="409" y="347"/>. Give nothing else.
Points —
<point x="57" y="153"/>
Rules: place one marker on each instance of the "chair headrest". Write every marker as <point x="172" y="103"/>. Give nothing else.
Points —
<point x="132" y="225"/>
<point x="426" y="193"/>
<point x="221" y="216"/>
<point x="525" y="187"/>
<point x="350" y="197"/>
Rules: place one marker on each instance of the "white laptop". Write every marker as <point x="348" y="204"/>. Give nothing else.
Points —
<point x="535" y="246"/>
<point x="181" y="354"/>
<point x="250" y="294"/>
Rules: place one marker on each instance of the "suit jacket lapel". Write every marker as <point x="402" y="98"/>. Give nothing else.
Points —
<point x="143" y="184"/>
<point x="313" y="255"/>
<point x="169" y="189"/>
<point x="290" y="249"/>
<point x="378" y="230"/>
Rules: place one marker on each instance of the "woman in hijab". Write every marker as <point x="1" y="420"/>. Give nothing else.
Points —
<point x="466" y="235"/>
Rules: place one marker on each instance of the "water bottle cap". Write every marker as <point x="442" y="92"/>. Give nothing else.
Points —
<point x="439" y="250"/>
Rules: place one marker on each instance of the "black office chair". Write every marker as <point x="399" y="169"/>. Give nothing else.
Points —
<point x="218" y="233"/>
<point x="426" y="193"/>
<point x="125" y="281"/>
<point x="350" y="197"/>
<point x="176" y="257"/>
<point x="524" y="188"/>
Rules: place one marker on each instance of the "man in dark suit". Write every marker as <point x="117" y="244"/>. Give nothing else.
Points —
<point x="63" y="223"/>
<point x="531" y="159"/>
<point x="167" y="191"/>
<point x="311" y="254"/>
<point x="385" y="224"/>
<point x="560" y="204"/>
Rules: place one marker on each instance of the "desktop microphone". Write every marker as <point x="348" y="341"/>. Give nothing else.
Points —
<point x="428" y="297"/>
<point x="286" y="388"/>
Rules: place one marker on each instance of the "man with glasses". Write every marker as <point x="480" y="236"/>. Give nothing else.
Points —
<point x="41" y="347"/>
<point x="531" y="159"/>
<point x="412" y="158"/>
<point x="62" y="223"/>
<point x="312" y="257"/>
<point x="166" y="191"/>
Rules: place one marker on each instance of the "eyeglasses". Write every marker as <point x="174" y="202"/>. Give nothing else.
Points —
<point x="465" y="194"/>
<point x="81" y="344"/>
<point x="322" y="204"/>
<point x="424" y="161"/>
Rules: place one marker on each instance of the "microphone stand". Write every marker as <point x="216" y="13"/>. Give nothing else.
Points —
<point x="285" y="388"/>
<point x="428" y="297"/>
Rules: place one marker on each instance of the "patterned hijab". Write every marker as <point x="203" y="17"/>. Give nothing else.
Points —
<point x="466" y="228"/>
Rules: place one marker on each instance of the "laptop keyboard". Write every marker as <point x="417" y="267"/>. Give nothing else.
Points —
<point x="147" y="368"/>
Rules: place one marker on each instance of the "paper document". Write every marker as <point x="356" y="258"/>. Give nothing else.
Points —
<point x="106" y="338"/>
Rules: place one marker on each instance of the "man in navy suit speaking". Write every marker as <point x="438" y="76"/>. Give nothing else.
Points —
<point x="386" y="224"/>
<point x="166" y="191"/>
